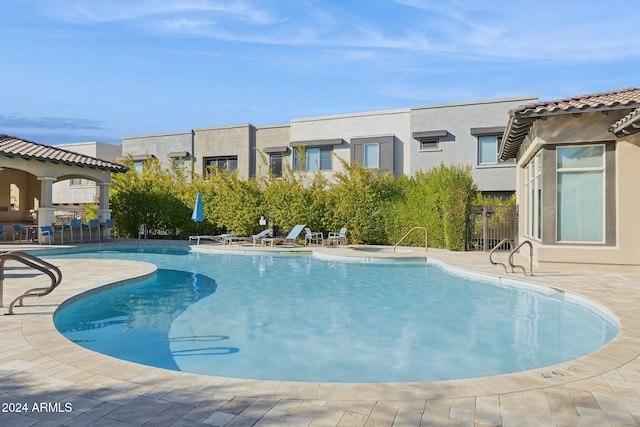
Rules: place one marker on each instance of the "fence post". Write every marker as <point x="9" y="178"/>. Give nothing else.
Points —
<point x="485" y="227"/>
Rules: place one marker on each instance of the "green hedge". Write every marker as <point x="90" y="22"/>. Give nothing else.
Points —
<point x="375" y="209"/>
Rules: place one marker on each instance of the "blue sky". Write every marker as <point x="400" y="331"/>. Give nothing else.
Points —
<point x="85" y="70"/>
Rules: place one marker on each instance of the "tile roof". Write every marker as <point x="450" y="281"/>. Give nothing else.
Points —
<point x="627" y="125"/>
<point x="522" y="118"/>
<point x="11" y="146"/>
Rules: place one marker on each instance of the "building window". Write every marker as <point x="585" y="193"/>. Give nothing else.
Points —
<point x="315" y="159"/>
<point x="275" y="162"/>
<point x="581" y="188"/>
<point x="178" y="162"/>
<point x="429" y="144"/>
<point x="488" y="147"/>
<point x="137" y="165"/>
<point x="228" y="163"/>
<point x="533" y="197"/>
<point x="372" y="156"/>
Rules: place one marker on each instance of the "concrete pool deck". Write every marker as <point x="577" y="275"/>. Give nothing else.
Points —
<point x="64" y="384"/>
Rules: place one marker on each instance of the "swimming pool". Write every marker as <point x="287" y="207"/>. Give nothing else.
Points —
<point x="299" y="318"/>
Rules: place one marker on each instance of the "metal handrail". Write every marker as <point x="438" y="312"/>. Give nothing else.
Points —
<point x="517" y="248"/>
<point x="495" y="248"/>
<point x="426" y="238"/>
<point x="34" y="262"/>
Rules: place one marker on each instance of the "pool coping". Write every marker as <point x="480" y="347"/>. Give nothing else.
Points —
<point x="35" y="327"/>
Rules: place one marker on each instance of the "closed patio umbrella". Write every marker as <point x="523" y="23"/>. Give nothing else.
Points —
<point x="197" y="214"/>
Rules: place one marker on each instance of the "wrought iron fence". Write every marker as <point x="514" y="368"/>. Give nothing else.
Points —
<point x="488" y="225"/>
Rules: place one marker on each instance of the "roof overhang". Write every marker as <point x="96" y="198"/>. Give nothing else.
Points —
<point x="178" y="155"/>
<point x="521" y="119"/>
<point x="487" y="131"/>
<point x="276" y="150"/>
<point x="14" y="147"/>
<point x="317" y="142"/>
<point x="628" y="125"/>
<point x="441" y="133"/>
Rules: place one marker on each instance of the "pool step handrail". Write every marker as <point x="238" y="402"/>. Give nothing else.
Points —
<point x="34" y="262"/>
<point x="426" y="237"/>
<point x="511" y="254"/>
<point x="495" y="248"/>
<point x="516" y="249"/>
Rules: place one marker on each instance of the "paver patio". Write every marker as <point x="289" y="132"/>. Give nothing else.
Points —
<point x="39" y="366"/>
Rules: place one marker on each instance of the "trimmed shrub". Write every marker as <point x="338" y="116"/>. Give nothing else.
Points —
<point x="375" y="209"/>
<point x="361" y="202"/>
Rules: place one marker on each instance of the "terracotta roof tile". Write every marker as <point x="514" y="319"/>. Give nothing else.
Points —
<point x="522" y="118"/>
<point x="11" y="146"/>
<point x="629" y="97"/>
<point x="627" y="125"/>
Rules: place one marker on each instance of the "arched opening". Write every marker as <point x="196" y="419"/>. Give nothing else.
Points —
<point x="72" y="196"/>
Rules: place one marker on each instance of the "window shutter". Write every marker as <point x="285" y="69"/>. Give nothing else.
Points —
<point x="371" y="156"/>
<point x="325" y="158"/>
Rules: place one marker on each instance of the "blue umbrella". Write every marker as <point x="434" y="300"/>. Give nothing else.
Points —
<point x="197" y="214"/>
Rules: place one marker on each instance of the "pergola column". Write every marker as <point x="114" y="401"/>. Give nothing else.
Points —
<point x="104" y="212"/>
<point x="46" y="209"/>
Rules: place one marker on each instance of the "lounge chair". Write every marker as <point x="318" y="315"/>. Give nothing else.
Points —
<point x="215" y="238"/>
<point x="337" y="238"/>
<point x="311" y="236"/>
<point x="254" y="239"/>
<point x="262" y="235"/>
<point x="290" y="239"/>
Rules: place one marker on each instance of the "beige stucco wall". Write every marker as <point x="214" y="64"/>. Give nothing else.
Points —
<point x="269" y="137"/>
<point x="238" y="140"/>
<point x="160" y="146"/>
<point x="27" y="198"/>
<point x="590" y="128"/>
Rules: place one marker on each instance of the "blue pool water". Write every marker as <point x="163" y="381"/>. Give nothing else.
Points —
<point x="299" y="318"/>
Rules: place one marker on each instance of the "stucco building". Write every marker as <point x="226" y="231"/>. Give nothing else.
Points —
<point x="578" y="177"/>
<point x="401" y="141"/>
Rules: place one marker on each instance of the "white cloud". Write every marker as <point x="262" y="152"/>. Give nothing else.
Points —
<point x="499" y="30"/>
<point x="89" y="11"/>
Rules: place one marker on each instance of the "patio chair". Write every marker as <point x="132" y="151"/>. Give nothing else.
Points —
<point x="311" y="236"/>
<point x="21" y="231"/>
<point x="75" y="224"/>
<point x="2" y="231"/>
<point x="108" y="226"/>
<point x="46" y="232"/>
<point x="290" y="239"/>
<point x="94" y="227"/>
<point x="337" y="237"/>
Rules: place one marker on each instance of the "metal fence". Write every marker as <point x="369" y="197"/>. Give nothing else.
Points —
<point x="489" y="225"/>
